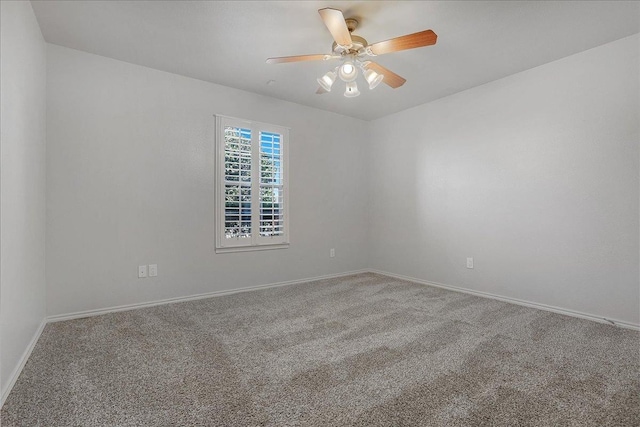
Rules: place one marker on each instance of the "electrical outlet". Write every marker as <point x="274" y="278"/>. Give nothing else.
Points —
<point x="332" y="253"/>
<point x="142" y="271"/>
<point x="153" y="270"/>
<point x="469" y="262"/>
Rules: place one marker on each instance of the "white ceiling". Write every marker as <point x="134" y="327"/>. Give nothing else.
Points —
<point x="227" y="42"/>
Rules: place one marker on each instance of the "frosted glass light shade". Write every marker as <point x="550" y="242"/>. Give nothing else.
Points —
<point x="352" y="90"/>
<point x="373" y="78"/>
<point x="327" y="80"/>
<point x="348" y="71"/>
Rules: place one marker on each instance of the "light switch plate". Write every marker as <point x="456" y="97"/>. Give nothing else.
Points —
<point x="142" y="271"/>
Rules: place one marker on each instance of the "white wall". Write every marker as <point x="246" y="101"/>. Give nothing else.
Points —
<point x="22" y="184"/>
<point x="130" y="181"/>
<point x="534" y="175"/>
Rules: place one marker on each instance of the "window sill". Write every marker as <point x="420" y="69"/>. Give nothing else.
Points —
<point x="251" y="248"/>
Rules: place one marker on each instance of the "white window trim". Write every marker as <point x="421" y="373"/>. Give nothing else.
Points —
<point x="256" y="242"/>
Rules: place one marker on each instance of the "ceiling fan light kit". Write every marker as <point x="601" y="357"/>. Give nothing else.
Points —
<point x="352" y="51"/>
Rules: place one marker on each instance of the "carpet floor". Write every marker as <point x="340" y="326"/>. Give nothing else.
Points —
<point x="363" y="350"/>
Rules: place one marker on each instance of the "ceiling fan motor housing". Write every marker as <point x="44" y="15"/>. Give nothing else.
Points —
<point x="358" y="45"/>
<point x="352" y="24"/>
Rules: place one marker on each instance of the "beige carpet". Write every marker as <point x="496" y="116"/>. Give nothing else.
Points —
<point x="364" y="350"/>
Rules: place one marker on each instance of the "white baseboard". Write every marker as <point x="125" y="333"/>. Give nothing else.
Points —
<point x="100" y="311"/>
<point x="559" y="310"/>
<point x="23" y="361"/>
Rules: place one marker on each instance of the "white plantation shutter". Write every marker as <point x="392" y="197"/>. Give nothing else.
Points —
<point x="252" y="185"/>
<point x="272" y="191"/>
<point x="237" y="184"/>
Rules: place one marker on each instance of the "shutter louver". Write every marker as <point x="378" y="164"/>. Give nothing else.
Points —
<point x="271" y="185"/>
<point x="237" y="183"/>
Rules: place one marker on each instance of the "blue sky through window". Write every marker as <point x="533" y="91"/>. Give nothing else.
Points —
<point x="270" y="145"/>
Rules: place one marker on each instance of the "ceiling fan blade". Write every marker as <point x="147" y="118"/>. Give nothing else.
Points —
<point x="334" y="20"/>
<point x="390" y="78"/>
<point x="283" y="59"/>
<point x="321" y="91"/>
<point x="410" y="41"/>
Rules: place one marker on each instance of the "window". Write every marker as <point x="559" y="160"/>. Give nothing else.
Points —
<point x="251" y="185"/>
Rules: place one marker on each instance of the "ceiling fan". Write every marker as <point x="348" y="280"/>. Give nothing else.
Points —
<point x="353" y="50"/>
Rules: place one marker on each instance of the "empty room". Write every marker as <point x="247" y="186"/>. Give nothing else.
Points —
<point x="310" y="213"/>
